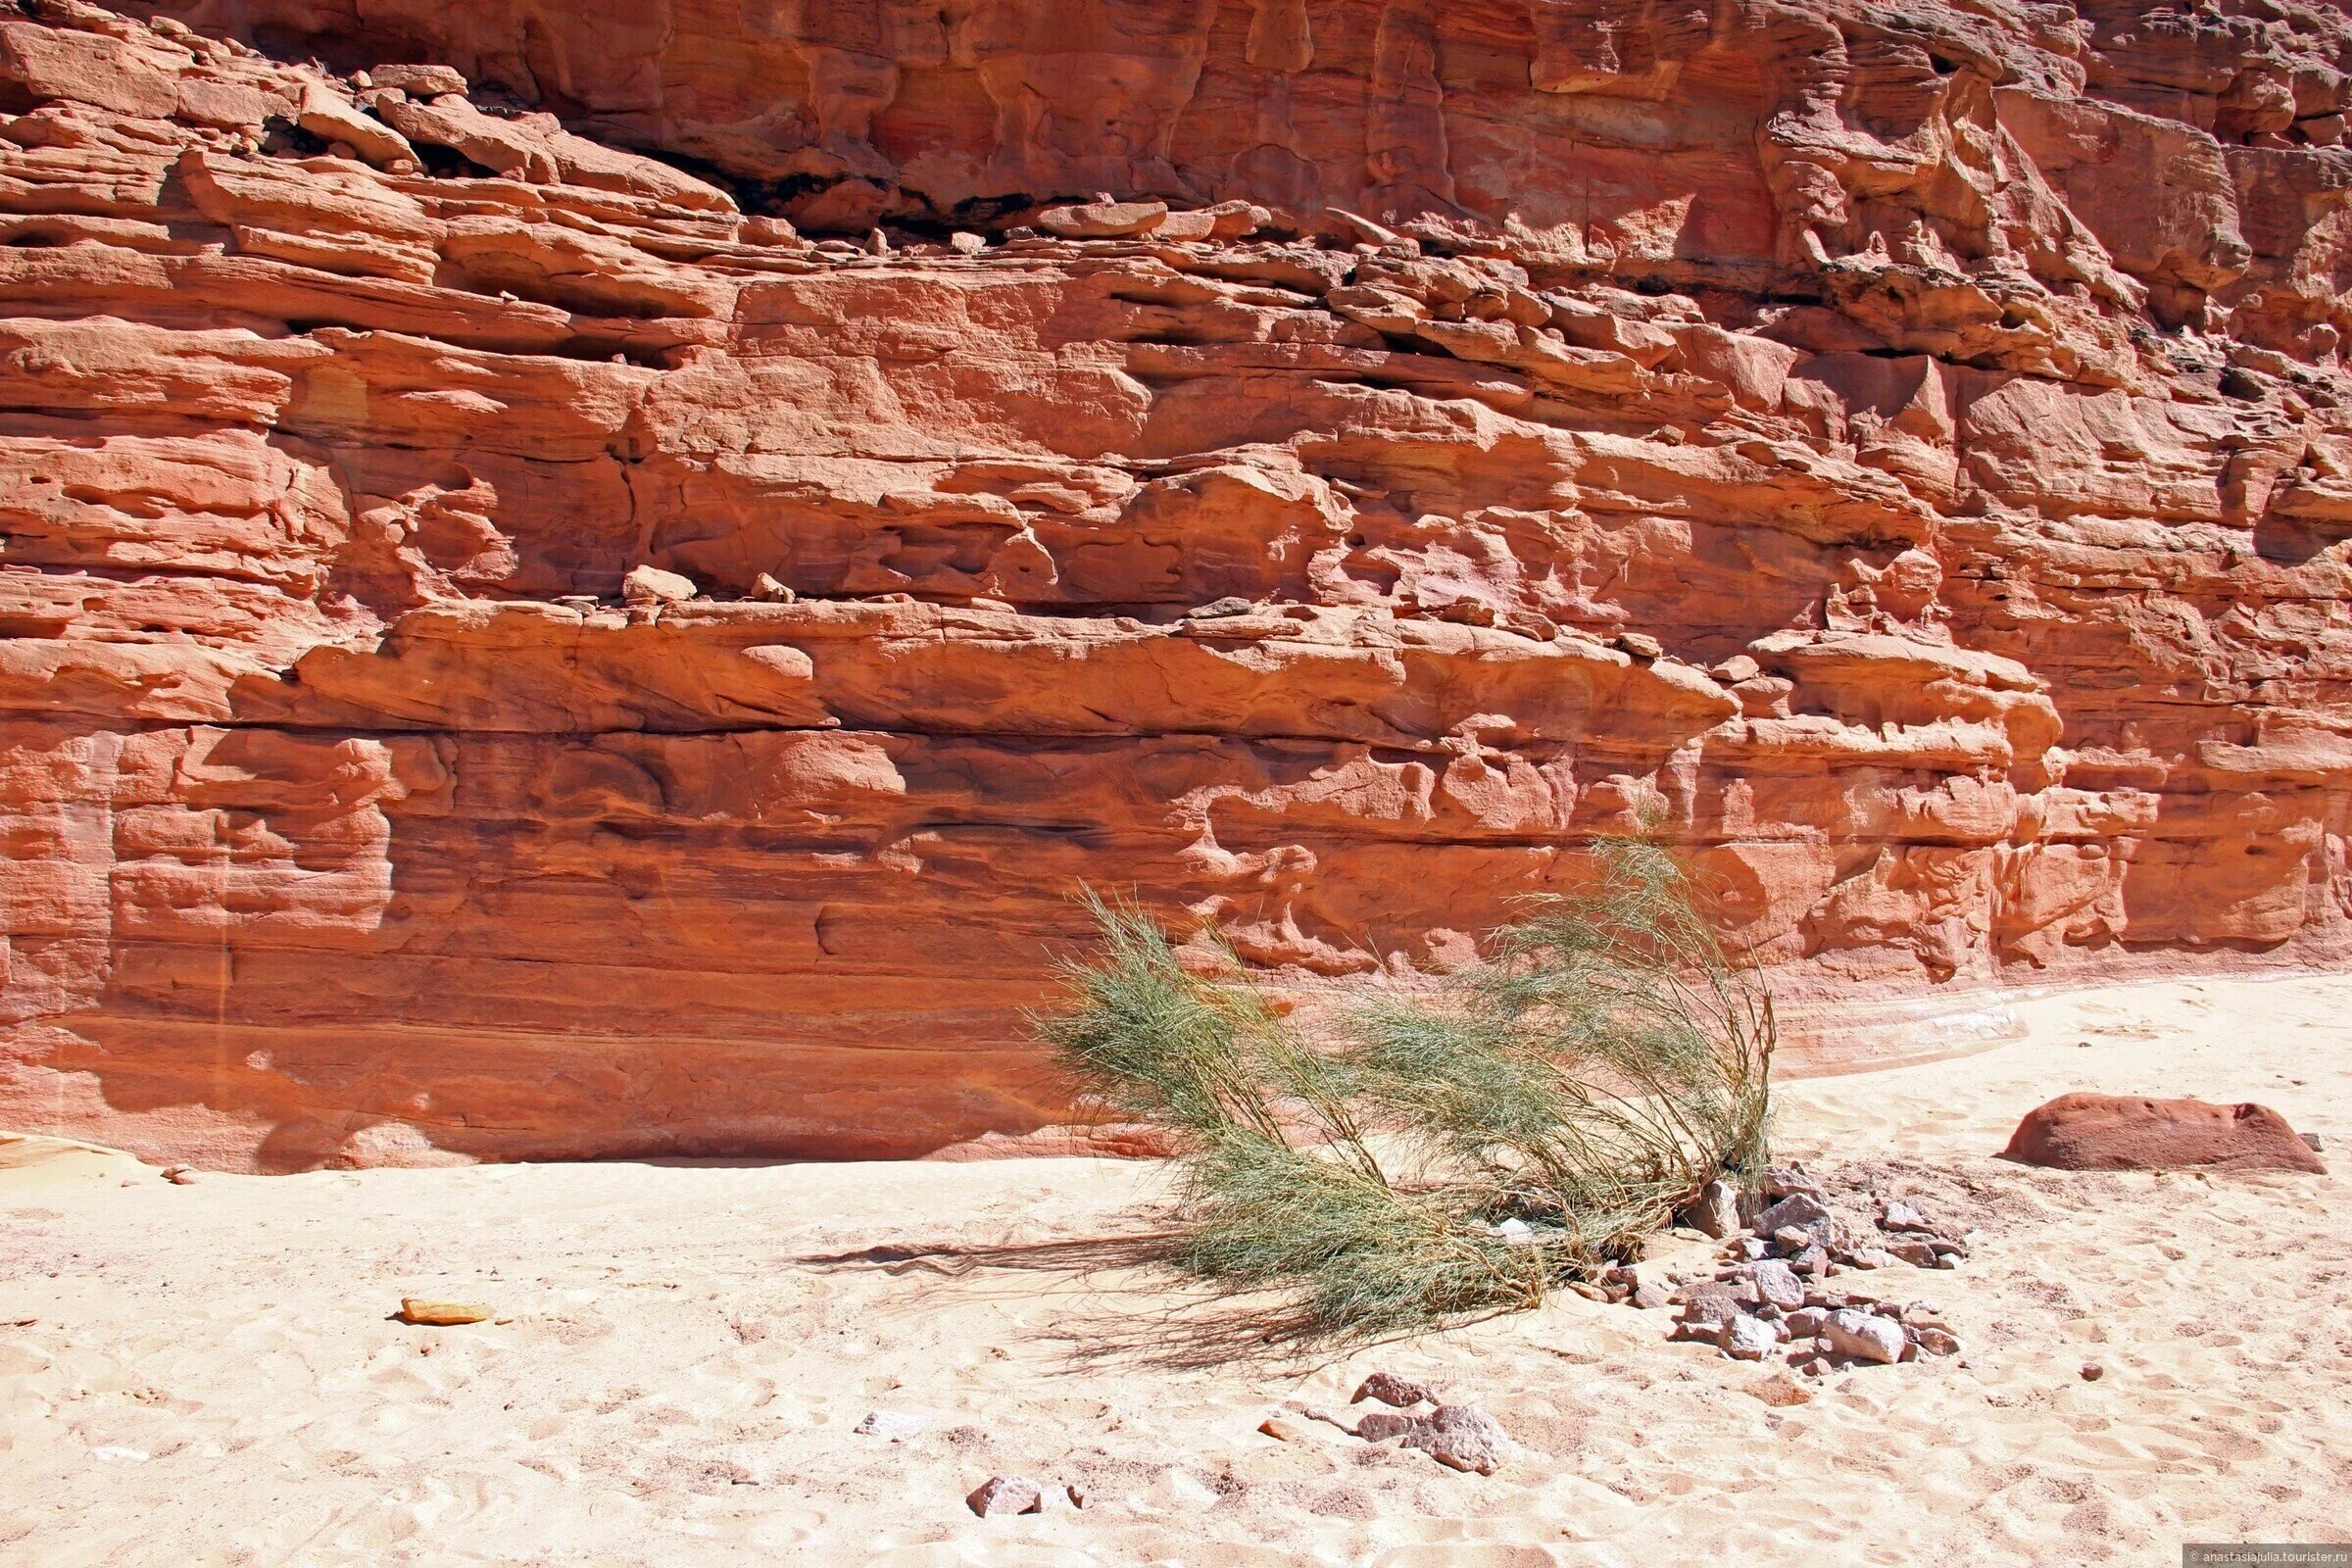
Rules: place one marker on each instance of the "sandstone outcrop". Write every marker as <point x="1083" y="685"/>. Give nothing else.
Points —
<point x="1313" y="465"/>
<point x="2123" y="1132"/>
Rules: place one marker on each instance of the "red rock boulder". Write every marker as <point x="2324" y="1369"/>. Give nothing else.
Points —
<point x="2125" y="1132"/>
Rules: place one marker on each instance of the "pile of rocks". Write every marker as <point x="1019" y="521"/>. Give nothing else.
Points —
<point x="1459" y="1437"/>
<point x="1783" y="1243"/>
<point x="1820" y="1328"/>
<point x="1622" y="1286"/>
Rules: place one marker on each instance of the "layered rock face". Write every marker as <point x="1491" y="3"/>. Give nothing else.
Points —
<point x="1901" y="458"/>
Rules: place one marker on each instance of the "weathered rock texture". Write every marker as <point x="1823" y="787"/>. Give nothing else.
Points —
<point x="2122" y="1131"/>
<point x="1900" y="455"/>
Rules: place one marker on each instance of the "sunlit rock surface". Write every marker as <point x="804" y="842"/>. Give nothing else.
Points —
<point x="1314" y="465"/>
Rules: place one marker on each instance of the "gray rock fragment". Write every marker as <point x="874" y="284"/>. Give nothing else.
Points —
<point x="1864" y="1336"/>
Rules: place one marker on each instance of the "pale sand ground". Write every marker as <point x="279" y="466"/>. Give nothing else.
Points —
<point x="210" y="1376"/>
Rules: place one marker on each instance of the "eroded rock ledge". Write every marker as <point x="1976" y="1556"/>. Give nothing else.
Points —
<point x="1907" y="460"/>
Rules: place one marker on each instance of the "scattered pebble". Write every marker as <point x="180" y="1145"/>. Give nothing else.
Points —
<point x="2092" y="1371"/>
<point x="1001" y="1494"/>
<point x="440" y="1315"/>
<point x="1460" y="1436"/>
<point x="1390" y="1389"/>
<point x="1780" y="1391"/>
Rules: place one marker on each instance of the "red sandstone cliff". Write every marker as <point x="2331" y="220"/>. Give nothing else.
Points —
<point x="1904" y="454"/>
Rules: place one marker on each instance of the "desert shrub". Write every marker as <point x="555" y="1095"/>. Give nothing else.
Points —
<point x="1449" y="1154"/>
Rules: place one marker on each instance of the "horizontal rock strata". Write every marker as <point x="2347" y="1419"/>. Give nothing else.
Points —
<point x="1316" y="466"/>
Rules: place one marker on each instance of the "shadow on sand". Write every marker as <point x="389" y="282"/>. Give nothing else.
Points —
<point x="1140" y="1312"/>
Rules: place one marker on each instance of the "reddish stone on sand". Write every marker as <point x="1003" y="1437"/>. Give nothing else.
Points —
<point x="2125" y="1132"/>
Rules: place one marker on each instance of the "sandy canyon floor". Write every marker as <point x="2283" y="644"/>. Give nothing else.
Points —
<point x="208" y="1374"/>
